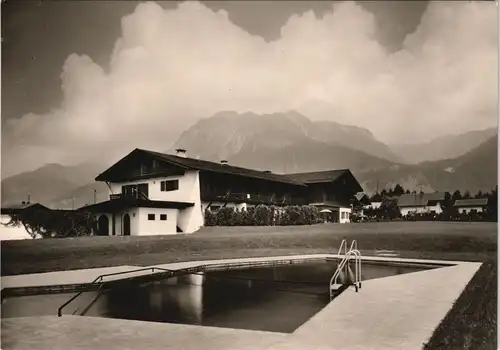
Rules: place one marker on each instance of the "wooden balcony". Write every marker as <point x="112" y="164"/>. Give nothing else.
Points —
<point x="136" y="195"/>
<point x="250" y="198"/>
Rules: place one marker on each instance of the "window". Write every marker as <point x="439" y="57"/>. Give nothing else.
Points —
<point x="163" y="217"/>
<point x="151" y="217"/>
<point x="141" y="190"/>
<point x="169" y="185"/>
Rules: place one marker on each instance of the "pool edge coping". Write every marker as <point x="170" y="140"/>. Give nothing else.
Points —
<point x="191" y="266"/>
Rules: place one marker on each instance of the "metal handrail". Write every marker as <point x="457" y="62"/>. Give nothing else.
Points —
<point x="343" y="245"/>
<point x="342" y="264"/>
<point x="100" y="279"/>
<point x="353" y="251"/>
<point x="345" y="260"/>
<point x="354" y="245"/>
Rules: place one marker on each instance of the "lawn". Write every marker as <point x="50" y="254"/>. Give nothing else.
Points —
<point x="432" y="240"/>
<point x="465" y="327"/>
<point x="472" y="322"/>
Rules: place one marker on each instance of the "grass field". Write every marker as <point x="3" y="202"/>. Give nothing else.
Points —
<point x="465" y="327"/>
<point x="433" y="240"/>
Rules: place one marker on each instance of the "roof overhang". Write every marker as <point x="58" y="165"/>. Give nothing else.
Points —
<point x="106" y="175"/>
<point x="120" y="204"/>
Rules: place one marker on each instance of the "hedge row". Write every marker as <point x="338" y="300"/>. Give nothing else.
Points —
<point x="263" y="215"/>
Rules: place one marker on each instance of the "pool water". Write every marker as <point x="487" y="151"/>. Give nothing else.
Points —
<point x="275" y="299"/>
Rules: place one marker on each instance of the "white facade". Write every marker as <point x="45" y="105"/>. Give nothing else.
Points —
<point x="467" y="210"/>
<point x="157" y="226"/>
<point x="345" y="215"/>
<point x="437" y="209"/>
<point x="188" y="220"/>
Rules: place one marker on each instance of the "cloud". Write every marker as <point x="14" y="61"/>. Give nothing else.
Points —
<point x="172" y="66"/>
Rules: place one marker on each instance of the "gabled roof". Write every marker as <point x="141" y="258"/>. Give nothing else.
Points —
<point x="473" y="202"/>
<point x="17" y="208"/>
<point x="419" y="199"/>
<point x="362" y="197"/>
<point x="318" y="176"/>
<point x="203" y="165"/>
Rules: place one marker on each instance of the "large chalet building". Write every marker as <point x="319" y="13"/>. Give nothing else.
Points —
<point x="155" y="193"/>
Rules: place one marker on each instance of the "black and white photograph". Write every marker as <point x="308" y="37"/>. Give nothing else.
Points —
<point x="249" y="175"/>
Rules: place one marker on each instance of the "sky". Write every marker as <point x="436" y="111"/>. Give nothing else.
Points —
<point x="87" y="80"/>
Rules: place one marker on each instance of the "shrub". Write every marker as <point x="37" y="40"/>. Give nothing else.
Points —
<point x="249" y="217"/>
<point x="238" y="217"/>
<point x="224" y="217"/>
<point x="209" y="218"/>
<point x="263" y="215"/>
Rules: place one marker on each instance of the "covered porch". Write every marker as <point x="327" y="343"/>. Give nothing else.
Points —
<point x="127" y="216"/>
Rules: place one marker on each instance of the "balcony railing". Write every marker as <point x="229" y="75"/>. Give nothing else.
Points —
<point x="136" y="195"/>
<point x="253" y="199"/>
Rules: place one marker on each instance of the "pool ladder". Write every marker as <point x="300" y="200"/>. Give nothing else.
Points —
<point x="353" y="253"/>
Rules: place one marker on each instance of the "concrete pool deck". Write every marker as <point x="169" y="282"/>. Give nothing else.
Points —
<point x="398" y="312"/>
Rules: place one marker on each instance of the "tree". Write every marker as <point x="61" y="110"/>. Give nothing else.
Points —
<point x="398" y="190"/>
<point x="456" y="196"/>
<point x="376" y="197"/>
<point x="408" y="192"/>
<point x="493" y="204"/>
<point x="448" y="200"/>
<point x="54" y="223"/>
<point x="480" y="194"/>
<point x="466" y="195"/>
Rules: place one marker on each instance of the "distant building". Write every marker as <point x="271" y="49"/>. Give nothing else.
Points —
<point x="330" y="190"/>
<point x="419" y="203"/>
<point x="11" y="233"/>
<point x="466" y="206"/>
<point x="155" y="193"/>
<point x="361" y="202"/>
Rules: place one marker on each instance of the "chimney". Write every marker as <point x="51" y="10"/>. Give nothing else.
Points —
<point x="223" y="162"/>
<point x="181" y="152"/>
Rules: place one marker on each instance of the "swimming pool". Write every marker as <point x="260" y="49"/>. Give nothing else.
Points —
<point x="268" y="298"/>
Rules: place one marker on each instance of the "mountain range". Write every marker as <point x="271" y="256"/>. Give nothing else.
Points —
<point x="444" y="147"/>
<point x="286" y="143"/>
